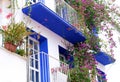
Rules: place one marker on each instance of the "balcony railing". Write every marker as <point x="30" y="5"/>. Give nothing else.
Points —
<point x="34" y="1"/>
<point x="64" y="68"/>
<point x="59" y="72"/>
<point x="64" y="10"/>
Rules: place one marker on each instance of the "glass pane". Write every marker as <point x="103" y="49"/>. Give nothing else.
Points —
<point x="37" y="76"/>
<point x="31" y="52"/>
<point x="33" y="75"/>
<point x="62" y="58"/>
<point x="34" y="1"/>
<point x="30" y="44"/>
<point x="36" y="64"/>
<point x="35" y="45"/>
<point x="30" y="75"/>
<point x="32" y="62"/>
<point x="36" y="54"/>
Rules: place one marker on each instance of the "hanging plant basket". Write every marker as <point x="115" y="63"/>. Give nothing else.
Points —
<point x="9" y="46"/>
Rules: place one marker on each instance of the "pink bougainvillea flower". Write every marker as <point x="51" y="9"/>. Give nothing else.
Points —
<point x="0" y="10"/>
<point x="9" y="15"/>
<point x="77" y="0"/>
<point x="4" y="27"/>
<point x="113" y="0"/>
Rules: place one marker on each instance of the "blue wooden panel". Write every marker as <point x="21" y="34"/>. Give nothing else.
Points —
<point x="104" y="58"/>
<point x="53" y="22"/>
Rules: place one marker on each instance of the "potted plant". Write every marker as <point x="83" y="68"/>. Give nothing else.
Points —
<point x="13" y="35"/>
<point x="21" y="52"/>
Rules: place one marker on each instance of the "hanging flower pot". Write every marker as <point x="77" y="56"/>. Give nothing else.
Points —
<point x="9" y="46"/>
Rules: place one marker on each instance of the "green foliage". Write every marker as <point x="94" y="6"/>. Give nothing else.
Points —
<point x="14" y="33"/>
<point x="79" y="75"/>
<point x="93" y="14"/>
<point x="84" y="64"/>
<point x="21" y="52"/>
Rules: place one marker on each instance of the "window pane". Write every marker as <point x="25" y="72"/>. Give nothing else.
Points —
<point x="37" y="76"/>
<point x="35" y="45"/>
<point x="33" y="75"/>
<point x="32" y="62"/>
<point x="36" y="64"/>
<point x="30" y="43"/>
<point x="34" y="1"/>
<point x="31" y="52"/>
<point x="30" y="75"/>
<point x="36" y="54"/>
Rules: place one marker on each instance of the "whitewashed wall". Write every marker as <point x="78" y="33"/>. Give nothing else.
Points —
<point x="18" y="65"/>
<point x="113" y="70"/>
<point x="50" y="4"/>
<point x="54" y="41"/>
<point x="12" y="67"/>
<point x="101" y="67"/>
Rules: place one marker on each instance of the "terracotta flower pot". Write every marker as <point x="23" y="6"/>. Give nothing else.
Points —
<point x="10" y="46"/>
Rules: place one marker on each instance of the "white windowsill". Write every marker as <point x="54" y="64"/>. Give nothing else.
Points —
<point x="12" y="53"/>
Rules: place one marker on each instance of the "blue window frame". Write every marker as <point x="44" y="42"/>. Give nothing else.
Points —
<point x="101" y="77"/>
<point x="65" y="56"/>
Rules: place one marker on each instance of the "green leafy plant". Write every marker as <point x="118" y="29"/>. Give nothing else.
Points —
<point x="93" y="14"/>
<point x="14" y="33"/>
<point x="21" y="52"/>
<point x="99" y="14"/>
<point x="84" y="64"/>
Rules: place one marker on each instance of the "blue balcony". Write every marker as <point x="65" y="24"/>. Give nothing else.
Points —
<point x="45" y="16"/>
<point x="104" y="58"/>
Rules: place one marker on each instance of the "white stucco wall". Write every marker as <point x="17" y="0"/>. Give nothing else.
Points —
<point x="50" y="4"/>
<point x="12" y="67"/>
<point x="53" y="41"/>
<point x="17" y="66"/>
<point x="113" y="70"/>
<point x="101" y="66"/>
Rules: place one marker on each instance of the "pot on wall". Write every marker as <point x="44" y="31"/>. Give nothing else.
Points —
<point x="9" y="46"/>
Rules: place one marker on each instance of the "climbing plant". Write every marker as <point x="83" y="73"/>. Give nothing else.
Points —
<point x="98" y="16"/>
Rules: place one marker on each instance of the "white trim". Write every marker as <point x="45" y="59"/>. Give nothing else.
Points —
<point x="34" y="60"/>
<point x="13" y="53"/>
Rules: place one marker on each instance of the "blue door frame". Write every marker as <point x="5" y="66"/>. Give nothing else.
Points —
<point x="44" y="59"/>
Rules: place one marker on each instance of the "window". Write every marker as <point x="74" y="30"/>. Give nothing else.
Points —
<point x="35" y="1"/>
<point x="62" y="58"/>
<point x="64" y="66"/>
<point x="34" y="68"/>
<point x="101" y="77"/>
<point x="64" y="13"/>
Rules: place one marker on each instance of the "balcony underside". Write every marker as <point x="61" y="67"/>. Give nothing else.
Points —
<point x="104" y="58"/>
<point x="43" y="15"/>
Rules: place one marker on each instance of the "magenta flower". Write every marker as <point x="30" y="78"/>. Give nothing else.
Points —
<point x="4" y="27"/>
<point x="0" y="10"/>
<point x="9" y="15"/>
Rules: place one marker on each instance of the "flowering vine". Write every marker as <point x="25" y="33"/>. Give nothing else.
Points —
<point x="92" y="13"/>
<point x="98" y="16"/>
<point x="84" y="64"/>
